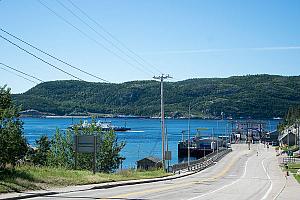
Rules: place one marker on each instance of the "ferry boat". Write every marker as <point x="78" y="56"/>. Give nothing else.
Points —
<point x="105" y="126"/>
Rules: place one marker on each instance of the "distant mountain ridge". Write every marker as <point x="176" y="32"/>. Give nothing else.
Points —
<point x="255" y="96"/>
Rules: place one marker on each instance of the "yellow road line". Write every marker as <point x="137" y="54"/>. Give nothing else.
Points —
<point x="219" y="175"/>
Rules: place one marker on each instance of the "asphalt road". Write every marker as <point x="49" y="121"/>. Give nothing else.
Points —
<point x="242" y="174"/>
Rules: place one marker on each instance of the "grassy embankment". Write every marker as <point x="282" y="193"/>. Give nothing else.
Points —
<point x="293" y="168"/>
<point x="290" y="148"/>
<point x="35" y="178"/>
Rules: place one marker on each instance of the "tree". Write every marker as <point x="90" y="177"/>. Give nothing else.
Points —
<point x="13" y="145"/>
<point x="292" y="116"/>
<point x="40" y="155"/>
<point x="61" y="152"/>
<point x="109" y="157"/>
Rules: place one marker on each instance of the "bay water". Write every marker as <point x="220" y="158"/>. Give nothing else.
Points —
<point x="144" y="138"/>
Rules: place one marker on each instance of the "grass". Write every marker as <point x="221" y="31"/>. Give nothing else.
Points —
<point x="291" y="148"/>
<point x="34" y="178"/>
<point x="297" y="177"/>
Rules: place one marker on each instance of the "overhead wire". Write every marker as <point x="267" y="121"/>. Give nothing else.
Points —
<point x="18" y="75"/>
<point x="92" y="39"/>
<point x="44" y="61"/>
<point x="48" y="54"/>
<point x="113" y="37"/>
<point x="103" y="37"/>
<point x="7" y="66"/>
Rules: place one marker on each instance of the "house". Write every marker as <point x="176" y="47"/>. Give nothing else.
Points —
<point x="288" y="137"/>
<point x="149" y="163"/>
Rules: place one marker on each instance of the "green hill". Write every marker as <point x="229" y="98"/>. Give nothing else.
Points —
<point x="256" y="96"/>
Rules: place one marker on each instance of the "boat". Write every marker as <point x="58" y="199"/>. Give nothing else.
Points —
<point x="105" y="126"/>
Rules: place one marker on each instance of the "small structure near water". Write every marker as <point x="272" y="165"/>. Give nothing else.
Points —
<point x="149" y="163"/>
<point x="199" y="147"/>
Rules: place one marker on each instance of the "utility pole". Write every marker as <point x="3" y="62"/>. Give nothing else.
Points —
<point x="298" y="134"/>
<point x="212" y="138"/>
<point x="189" y="132"/>
<point x="161" y="78"/>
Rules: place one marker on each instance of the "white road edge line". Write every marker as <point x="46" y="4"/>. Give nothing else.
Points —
<point x="271" y="186"/>
<point x="211" y="192"/>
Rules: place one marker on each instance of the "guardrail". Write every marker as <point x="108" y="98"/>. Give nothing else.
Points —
<point x="201" y="163"/>
<point x="289" y="160"/>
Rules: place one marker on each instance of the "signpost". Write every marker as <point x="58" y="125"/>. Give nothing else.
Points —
<point x="86" y="144"/>
<point x="168" y="157"/>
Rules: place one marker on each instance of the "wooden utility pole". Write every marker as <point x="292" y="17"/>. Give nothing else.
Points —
<point x="161" y="78"/>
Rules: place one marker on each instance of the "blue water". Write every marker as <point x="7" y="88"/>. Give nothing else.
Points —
<point x="143" y="140"/>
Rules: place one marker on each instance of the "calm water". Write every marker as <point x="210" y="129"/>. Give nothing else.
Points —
<point x="143" y="140"/>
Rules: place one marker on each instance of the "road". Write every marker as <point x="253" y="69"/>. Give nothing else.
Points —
<point x="242" y="174"/>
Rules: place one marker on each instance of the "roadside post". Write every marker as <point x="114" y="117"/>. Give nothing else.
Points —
<point x="168" y="157"/>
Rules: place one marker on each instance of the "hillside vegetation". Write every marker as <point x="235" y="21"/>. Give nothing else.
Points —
<point x="255" y="96"/>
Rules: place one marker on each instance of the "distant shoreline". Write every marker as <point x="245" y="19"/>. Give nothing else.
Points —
<point x="130" y="117"/>
<point x="37" y="114"/>
<point x="66" y="117"/>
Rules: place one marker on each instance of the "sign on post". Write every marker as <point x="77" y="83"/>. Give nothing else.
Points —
<point x="168" y="155"/>
<point x="85" y="144"/>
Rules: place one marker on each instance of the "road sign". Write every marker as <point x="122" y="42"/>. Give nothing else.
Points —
<point x="168" y="155"/>
<point x="86" y="144"/>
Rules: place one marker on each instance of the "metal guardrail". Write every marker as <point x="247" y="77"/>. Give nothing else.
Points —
<point x="289" y="160"/>
<point x="201" y="163"/>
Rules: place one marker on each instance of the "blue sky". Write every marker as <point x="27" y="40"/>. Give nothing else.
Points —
<point x="187" y="39"/>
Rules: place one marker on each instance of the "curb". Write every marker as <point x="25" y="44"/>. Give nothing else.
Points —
<point x="30" y="195"/>
<point x="104" y="186"/>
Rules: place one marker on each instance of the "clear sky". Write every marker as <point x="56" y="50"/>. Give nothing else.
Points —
<point x="187" y="39"/>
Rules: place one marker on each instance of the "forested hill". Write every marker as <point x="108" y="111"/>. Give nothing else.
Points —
<point x="256" y="96"/>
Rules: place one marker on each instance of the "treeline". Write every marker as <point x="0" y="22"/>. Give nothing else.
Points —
<point x="254" y="96"/>
<point x="291" y="117"/>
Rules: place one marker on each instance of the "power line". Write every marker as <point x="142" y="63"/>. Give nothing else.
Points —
<point x="40" y="58"/>
<point x="113" y="37"/>
<point x="90" y="38"/>
<point x="64" y="62"/>
<point x="7" y="66"/>
<point x="103" y="37"/>
<point x="18" y="75"/>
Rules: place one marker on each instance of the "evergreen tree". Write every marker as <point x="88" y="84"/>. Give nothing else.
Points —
<point x="13" y="146"/>
<point x="40" y="156"/>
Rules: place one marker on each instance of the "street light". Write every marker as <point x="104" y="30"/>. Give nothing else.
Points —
<point x="189" y="129"/>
